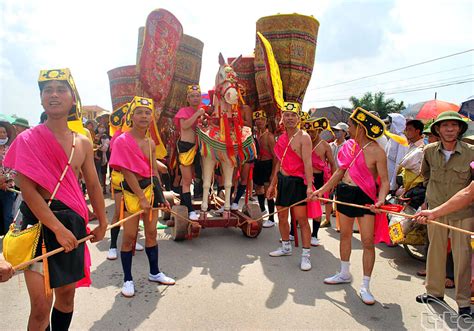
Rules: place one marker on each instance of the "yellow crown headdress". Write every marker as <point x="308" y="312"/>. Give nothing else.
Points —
<point x="136" y="103"/>
<point x="117" y="118"/>
<point x="193" y="88"/>
<point x="374" y="127"/>
<point x="259" y="114"/>
<point x="321" y="123"/>
<point x="65" y="76"/>
<point x="293" y="107"/>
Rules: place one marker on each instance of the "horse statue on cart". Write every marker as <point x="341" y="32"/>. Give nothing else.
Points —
<point x="222" y="137"/>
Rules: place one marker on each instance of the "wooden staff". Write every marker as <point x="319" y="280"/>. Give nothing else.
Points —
<point x="399" y="214"/>
<point x="80" y="241"/>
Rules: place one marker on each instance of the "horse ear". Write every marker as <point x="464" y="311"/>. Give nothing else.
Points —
<point x="236" y="61"/>
<point x="221" y="59"/>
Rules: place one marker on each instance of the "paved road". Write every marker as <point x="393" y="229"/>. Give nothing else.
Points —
<point x="225" y="280"/>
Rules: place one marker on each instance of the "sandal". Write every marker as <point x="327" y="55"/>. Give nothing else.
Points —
<point x="421" y="273"/>
<point x="449" y="283"/>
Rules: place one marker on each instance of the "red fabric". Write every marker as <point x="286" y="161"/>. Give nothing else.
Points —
<point x="128" y="155"/>
<point x="163" y="33"/>
<point x="37" y="155"/>
<point x="363" y="178"/>
<point x="322" y="166"/>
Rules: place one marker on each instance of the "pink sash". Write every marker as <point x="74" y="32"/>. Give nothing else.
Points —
<point x="322" y="166"/>
<point x="352" y="158"/>
<point x="293" y="165"/>
<point x="37" y="155"/>
<point x="184" y="113"/>
<point x="126" y="154"/>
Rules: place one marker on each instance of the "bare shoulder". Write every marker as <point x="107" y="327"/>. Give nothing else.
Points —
<point x="83" y="142"/>
<point x="377" y="151"/>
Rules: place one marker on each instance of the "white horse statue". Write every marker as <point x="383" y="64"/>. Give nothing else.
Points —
<point x="224" y="139"/>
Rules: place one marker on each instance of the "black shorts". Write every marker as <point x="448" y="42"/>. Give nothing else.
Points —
<point x="290" y="189"/>
<point x="318" y="180"/>
<point x="352" y="194"/>
<point x="64" y="268"/>
<point x="262" y="172"/>
<point x="157" y="190"/>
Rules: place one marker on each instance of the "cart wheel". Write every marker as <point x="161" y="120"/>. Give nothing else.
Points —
<point x="169" y="196"/>
<point x="415" y="251"/>
<point x="252" y="228"/>
<point x="178" y="232"/>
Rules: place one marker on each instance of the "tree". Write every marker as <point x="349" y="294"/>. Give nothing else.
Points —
<point x="377" y="102"/>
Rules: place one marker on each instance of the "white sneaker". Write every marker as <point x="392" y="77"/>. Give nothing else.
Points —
<point x="128" y="289"/>
<point x="366" y="296"/>
<point x="161" y="278"/>
<point x="305" y="262"/>
<point x="315" y="241"/>
<point x="112" y="255"/>
<point x="292" y="238"/>
<point x="139" y="247"/>
<point x="234" y="206"/>
<point x="282" y="251"/>
<point x="268" y="224"/>
<point x="338" y="279"/>
<point x="193" y="216"/>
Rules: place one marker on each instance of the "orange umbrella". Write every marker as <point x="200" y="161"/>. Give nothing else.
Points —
<point x="428" y="110"/>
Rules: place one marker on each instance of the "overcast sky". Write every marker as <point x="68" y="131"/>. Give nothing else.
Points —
<point x="356" y="39"/>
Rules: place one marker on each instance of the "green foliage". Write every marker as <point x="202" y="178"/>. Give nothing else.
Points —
<point x="377" y="102"/>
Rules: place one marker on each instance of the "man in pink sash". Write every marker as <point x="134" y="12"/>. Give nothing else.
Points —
<point x="133" y="154"/>
<point x="359" y="170"/>
<point x="40" y="156"/>
<point x="291" y="182"/>
<point x="185" y="121"/>
<point x="322" y="162"/>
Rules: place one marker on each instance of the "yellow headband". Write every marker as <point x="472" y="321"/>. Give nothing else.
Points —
<point x="293" y="107"/>
<point x="259" y="114"/>
<point x="193" y="88"/>
<point x="321" y="123"/>
<point x="63" y="75"/>
<point x="136" y="103"/>
<point x="117" y="117"/>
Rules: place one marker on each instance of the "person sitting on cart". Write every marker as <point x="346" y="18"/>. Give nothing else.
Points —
<point x="185" y="121"/>
<point x="134" y="156"/>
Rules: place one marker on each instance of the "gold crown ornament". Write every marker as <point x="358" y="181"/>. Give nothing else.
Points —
<point x="259" y="114"/>
<point x="63" y="75"/>
<point x="193" y="88"/>
<point x="321" y="123"/>
<point x="293" y="107"/>
<point x="136" y="103"/>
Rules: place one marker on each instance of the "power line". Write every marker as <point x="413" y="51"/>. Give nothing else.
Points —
<point x="393" y="70"/>
<point x="421" y="88"/>
<point x="399" y="80"/>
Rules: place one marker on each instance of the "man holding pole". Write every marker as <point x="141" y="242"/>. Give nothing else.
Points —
<point x="361" y="163"/>
<point x="446" y="171"/>
<point x="134" y="156"/>
<point x="291" y="182"/>
<point x="48" y="159"/>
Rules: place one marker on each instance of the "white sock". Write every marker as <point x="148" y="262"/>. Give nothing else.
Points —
<point x="365" y="282"/>
<point x="286" y="245"/>
<point x="306" y="252"/>
<point x="345" y="267"/>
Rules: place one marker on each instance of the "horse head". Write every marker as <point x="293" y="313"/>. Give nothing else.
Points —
<point x="226" y="82"/>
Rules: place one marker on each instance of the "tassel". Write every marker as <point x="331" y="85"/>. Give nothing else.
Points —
<point x="122" y="207"/>
<point x="47" y="285"/>
<point x="399" y="139"/>
<point x="228" y="139"/>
